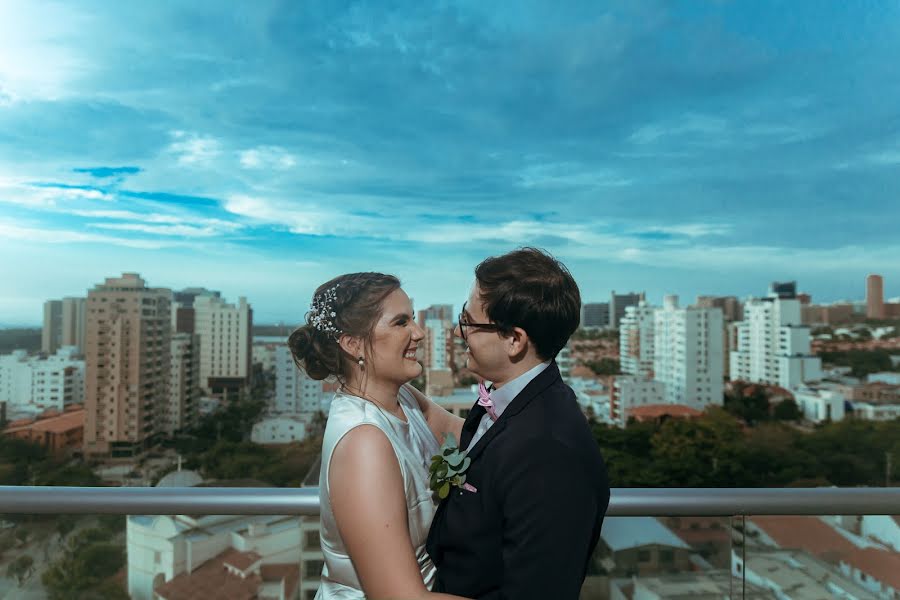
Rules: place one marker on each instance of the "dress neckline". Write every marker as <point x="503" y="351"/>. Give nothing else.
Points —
<point x="395" y="418"/>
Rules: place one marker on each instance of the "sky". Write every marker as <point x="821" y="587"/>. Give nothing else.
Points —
<point x="262" y="148"/>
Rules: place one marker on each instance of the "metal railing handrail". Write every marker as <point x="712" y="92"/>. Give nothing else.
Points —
<point x="305" y="501"/>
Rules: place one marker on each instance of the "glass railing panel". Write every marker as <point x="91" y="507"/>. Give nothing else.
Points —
<point x="828" y="556"/>
<point x="657" y="557"/>
<point x="143" y="557"/>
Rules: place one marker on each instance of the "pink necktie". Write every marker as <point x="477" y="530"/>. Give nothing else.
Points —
<point x="484" y="399"/>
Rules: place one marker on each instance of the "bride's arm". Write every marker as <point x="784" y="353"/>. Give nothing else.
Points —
<point x="440" y="420"/>
<point x="367" y="497"/>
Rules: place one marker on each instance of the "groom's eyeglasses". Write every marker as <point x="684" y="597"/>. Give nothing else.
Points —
<point x="464" y="324"/>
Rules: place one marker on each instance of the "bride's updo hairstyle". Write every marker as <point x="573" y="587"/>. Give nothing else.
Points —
<point x="349" y="304"/>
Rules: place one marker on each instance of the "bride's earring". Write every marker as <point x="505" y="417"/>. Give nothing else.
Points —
<point x="361" y="362"/>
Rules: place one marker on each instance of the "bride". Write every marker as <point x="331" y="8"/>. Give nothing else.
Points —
<point x="376" y="504"/>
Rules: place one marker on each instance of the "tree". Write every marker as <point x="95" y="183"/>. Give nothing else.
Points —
<point x="88" y="562"/>
<point x="21" y="568"/>
<point x="787" y="410"/>
<point x="22" y="535"/>
<point x="604" y="366"/>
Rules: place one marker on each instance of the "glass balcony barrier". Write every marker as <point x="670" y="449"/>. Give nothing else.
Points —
<point x="174" y="543"/>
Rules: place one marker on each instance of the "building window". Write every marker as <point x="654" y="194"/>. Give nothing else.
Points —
<point x="666" y="556"/>
<point x="643" y="556"/>
<point x="311" y="542"/>
<point x="313" y="568"/>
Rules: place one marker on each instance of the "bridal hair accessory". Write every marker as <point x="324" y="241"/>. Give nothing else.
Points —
<point x="322" y="311"/>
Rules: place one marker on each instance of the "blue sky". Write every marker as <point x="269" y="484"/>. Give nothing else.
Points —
<point x="261" y="148"/>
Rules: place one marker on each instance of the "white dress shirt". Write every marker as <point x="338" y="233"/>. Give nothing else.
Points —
<point x="501" y="397"/>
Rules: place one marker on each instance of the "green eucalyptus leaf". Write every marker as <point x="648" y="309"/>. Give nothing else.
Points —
<point x="461" y="480"/>
<point x="465" y="464"/>
<point x="444" y="491"/>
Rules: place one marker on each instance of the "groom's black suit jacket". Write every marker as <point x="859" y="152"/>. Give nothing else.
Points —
<point x="542" y="491"/>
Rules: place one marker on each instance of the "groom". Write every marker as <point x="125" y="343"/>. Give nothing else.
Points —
<point x="526" y="522"/>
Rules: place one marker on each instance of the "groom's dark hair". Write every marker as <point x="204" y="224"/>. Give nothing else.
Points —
<point x="529" y="288"/>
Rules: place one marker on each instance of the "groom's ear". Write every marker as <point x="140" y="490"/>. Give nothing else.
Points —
<point x="517" y="341"/>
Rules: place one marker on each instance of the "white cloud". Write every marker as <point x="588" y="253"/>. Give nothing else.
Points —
<point x="194" y="150"/>
<point x="267" y="157"/>
<point x="14" y="191"/>
<point x="16" y="231"/>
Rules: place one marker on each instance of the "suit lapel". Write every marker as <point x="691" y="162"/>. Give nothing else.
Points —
<point x="470" y="425"/>
<point x="534" y="387"/>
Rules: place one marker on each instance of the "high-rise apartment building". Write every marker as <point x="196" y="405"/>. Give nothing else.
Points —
<point x="636" y="350"/>
<point x="731" y="307"/>
<point x="184" y="382"/>
<point x="64" y="325"/>
<point x="688" y="346"/>
<point x="225" y="344"/>
<point x="773" y="346"/>
<point x="437" y="355"/>
<point x="296" y="393"/>
<point x="618" y="303"/>
<point x="127" y="361"/>
<point x="595" y="315"/>
<point x="874" y="297"/>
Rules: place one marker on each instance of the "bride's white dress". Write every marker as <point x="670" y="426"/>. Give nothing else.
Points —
<point x="414" y="445"/>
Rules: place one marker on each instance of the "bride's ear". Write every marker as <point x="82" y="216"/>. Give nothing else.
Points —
<point x="351" y="345"/>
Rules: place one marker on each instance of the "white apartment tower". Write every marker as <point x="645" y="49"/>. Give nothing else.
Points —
<point x="636" y="347"/>
<point x="295" y="392"/>
<point x="34" y="384"/>
<point x="225" y="342"/>
<point x="126" y="365"/>
<point x="688" y="359"/>
<point x="773" y="346"/>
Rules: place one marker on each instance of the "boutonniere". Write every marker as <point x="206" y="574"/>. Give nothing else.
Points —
<point x="448" y="468"/>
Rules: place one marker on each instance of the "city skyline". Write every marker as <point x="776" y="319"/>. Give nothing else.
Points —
<point x="262" y="150"/>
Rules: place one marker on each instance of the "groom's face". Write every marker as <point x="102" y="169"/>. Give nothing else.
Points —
<point x="486" y="354"/>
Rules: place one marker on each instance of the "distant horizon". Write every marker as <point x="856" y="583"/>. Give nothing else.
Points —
<point x="695" y="149"/>
<point x="654" y="299"/>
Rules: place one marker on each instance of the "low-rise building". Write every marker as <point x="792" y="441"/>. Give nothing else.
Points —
<point x="709" y="585"/>
<point x="58" y="432"/>
<point x="629" y="392"/>
<point x="279" y="429"/>
<point x="796" y="574"/>
<point x="181" y="557"/>
<point x="820" y="404"/>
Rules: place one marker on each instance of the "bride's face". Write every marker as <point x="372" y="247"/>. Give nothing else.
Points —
<point x="395" y="339"/>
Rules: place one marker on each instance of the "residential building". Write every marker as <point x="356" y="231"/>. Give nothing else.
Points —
<point x="437" y="349"/>
<point x="296" y="393"/>
<point x="795" y="574"/>
<point x="863" y="560"/>
<point x="636" y="349"/>
<point x="830" y="314"/>
<point x="688" y="347"/>
<point x="64" y="325"/>
<point x="631" y="391"/>
<point x="695" y="585"/>
<point x="184" y="382"/>
<point x="57" y="432"/>
<point x="595" y="315"/>
<point x="32" y="384"/>
<point x="180" y="557"/>
<point x="280" y="429"/>
<point x="773" y="346"/>
<point x="819" y="404"/>
<point x="618" y="303"/>
<point x="225" y="340"/>
<point x="127" y="361"/>
<point x="641" y="546"/>
<point x="874" y="297"/>
<point x="732" y="308"/>
<point x="263" y="350"/>
<point x="888" y="377"/>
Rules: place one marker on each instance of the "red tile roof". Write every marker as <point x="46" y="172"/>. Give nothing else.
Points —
<point x="820" y="539"/>
<point x="57" y="423"/>
<point x="213" y="580"/>
<point x="240" y="560"/>
<point x="654" y="411"/>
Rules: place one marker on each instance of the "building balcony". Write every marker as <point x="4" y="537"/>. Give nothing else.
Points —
<point x="656" y="543"/>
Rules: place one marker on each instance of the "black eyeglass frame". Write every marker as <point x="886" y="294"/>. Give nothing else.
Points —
<point x="486" y="326"/>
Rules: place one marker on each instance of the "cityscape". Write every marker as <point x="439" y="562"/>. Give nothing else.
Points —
<point x="135" y="385"/>
<point x="720" y="178"/>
